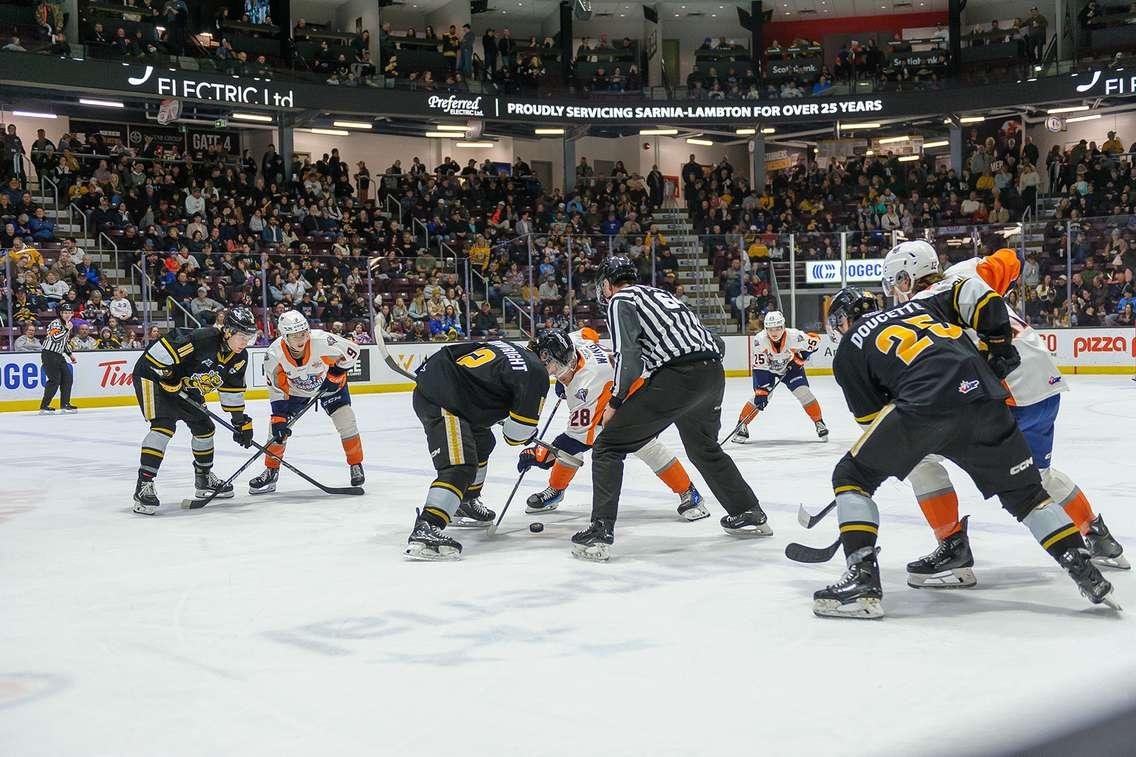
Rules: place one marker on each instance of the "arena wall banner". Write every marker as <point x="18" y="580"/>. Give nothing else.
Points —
<point x="865" y="271"/>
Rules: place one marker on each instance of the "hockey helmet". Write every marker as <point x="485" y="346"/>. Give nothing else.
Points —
<point x="849" y="303"/>
<point x="618" y="269"/>
<point x="775" y="322"/>
<point x="65" y="307"/>
<point x="293" y="326"/>
<point x="906" y="264"/>
<point x="554" y="348"/>
<point x="240" y="320"/>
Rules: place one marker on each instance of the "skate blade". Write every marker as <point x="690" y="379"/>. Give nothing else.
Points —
<point x="739" y="440"/>
<point x="145" y="509"/>
<point x="263" y="490"/>
<point x="546" y="509"/>
<point x="203" y="493"/>
<point x="592" y="552"/>
<point x="470" y="523"/>
<point x="431" y="554"/>
<point x="1116" y="563"/>
<point x="69" y="411"/>
<point x="959" y="578"/>
<point x="750" y="532"/>
<point x="698" y="512"/>
<point x="867" y="608"/>
<point x="823" y="438"/>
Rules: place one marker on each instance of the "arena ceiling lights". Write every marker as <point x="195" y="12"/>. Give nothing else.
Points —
<point x="331" y="132"/>
<point x="858" y="127"/>
<point x="658" y="132"/>
<point x="1093" y="117"/>
<point x="908" y="158"/>
<point x="473" y="144"/>
<point x="745" y="132"/>
<point x="449" y="127"/>
<point x="893" y="140"/>
<point x="32" y="114"/>
<point x="548" y="132"/>
<point x="936" y="143"/>
<point x="703" y="142"/>
<point x="445" y="135"/>
<point x="252" y="117"/>
<point x="1067" y="109"/>
<point x="353" y="125"/>
<point x="101" y="103"/>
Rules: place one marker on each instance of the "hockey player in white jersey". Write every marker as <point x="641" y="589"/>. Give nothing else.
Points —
<point x="1035" y="388"/>
<point x="779" y="355"/>
<point x="584" y="376"/>
<point x="303" y="363"/>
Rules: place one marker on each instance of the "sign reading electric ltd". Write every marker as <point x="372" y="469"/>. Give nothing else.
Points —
<point x="869" y="270"/>
<point x="240" y="93"/>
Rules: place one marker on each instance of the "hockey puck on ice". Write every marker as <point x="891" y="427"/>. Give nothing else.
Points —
<point x="536" y="527"/>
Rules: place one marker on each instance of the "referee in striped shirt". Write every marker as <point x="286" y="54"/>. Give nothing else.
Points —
<point x="52" y="359"/>
<point x="668" y="371"/>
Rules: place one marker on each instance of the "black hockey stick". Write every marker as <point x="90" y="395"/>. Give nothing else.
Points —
<point x="265" y="450"/>
<point x="493" y="529"/>
<point x="381" y="344"/>
<point x="804" y="553"/>
<point x="197" y="504"/>
<point x="808" y="521"/>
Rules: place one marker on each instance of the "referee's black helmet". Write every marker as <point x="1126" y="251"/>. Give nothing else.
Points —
<point x="618" y="269"/>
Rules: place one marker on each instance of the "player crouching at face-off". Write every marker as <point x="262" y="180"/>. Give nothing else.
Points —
<point x="584" y="378"/>
<point x="1035" y="389"/>
<point x="922" y="387"/>
<point x="303" y="363"/>
<point x="779" y="356"/>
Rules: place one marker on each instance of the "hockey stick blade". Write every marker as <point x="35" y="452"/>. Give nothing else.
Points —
<point x="197" y="504"/>
<point x="492" y="531"/>
<point x="808" y="521"/>
<point x="381" y="344"/>
<point x="806" y="554"/>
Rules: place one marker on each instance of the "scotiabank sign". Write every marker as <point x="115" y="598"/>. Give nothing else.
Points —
<point x="869" y="270"/>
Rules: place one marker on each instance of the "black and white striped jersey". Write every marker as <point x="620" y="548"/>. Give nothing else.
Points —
<point x="649" y="329"/>
<point x="56" y="338"/>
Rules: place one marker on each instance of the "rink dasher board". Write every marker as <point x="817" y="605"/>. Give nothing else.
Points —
<point x="103" y="378"/>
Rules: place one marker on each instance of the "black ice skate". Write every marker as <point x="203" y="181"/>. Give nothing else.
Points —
<point x="428" y="542"/>
<point x="594" y="543"/>
<point x="857" y="594"/>
<point x="44" y="410"/>
<point x="545" y="501"/>
<point x="473" y="514"/>
<point x="357" y="477"/>
<point x="1106" y="551"/>
<point x="748" y="524"/>
<point x="822" y="431"/>
<point x="1094" y="587"/>
<point x="145" y="497"/>
<point x="69" y="408"/>
<point x="948" y="567"/>
<point x="690" y="505"/>
<point x="741" y="436"/>
<point x="265" y="482"/>
<point x="206" y="483"/>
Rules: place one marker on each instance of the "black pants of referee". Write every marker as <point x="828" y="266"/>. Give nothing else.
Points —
<point x="59" y="378"/>
<point x="689" y="395"/>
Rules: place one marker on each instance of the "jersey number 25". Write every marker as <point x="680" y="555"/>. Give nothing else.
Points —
<point x="909" y="343"/>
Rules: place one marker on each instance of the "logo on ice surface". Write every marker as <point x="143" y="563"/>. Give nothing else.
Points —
<point x="966" y="387"/>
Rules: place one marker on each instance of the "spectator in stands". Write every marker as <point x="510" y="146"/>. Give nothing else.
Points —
<point x="83" y="340"/>
<point x="1036" y="35"/>
<point x="27" y="341"/>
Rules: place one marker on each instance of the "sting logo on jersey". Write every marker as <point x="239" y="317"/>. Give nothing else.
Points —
<point x="966" y="387"/>
<point x="1021" y="466"/>
<point x="582" y="394"/>
<point x="205" y="382"/>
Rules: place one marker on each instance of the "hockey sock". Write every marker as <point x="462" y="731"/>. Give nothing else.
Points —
<point x="474" y="489"/>
<point x="859" y="519"/>
<point x="560" y="476"/>
<point x="1079" y="510"/>
<point x="813" y="410"/>
<point x="674" y="476"/>
<point x="353" y="449"/>
<point x="203" y="451"/>
<point x="941" y="509"/>
<point x="1053" y="529"/>
<point x="154" y="450"/>
<point x="270" y="461"/>
<point x="808" y="401"/>
<point x="1063" y="491"/>
<point x="348" y="428"/>
<point x="748" y="413"/>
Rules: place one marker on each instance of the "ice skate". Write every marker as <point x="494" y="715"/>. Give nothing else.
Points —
<point x="690" y="505"/>
<point x="545" y="501"/>
<point x="473" y="514"/>
<point x="822" y="431"/>
<point x="357" y="477"/>
<point x="948" y="567"/>
<point x="428" y="542"/>
<point x="1106" y="551"/>
<point x="206" y="483"/>
<point x="46" y="411"/>
<point x="857" y="594"/>
<point x="741" y="436"/>
<point x="69" y="408"/>
<point x="594" y="543"/>
<point x="1094" y="587"/>
<point x="145" y="497"/>
<point x="265" y="482"/>
<point x="748" y="524"/>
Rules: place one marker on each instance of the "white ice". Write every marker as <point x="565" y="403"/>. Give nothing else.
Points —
<point x="291" y="623"/>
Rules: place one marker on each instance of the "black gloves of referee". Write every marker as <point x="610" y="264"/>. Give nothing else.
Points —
<point x="242" y="429"/>
<point x="1001" y="353"/>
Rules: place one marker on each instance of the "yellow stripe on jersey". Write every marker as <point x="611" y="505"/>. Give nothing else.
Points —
<point x="978" y="308"/>
<point x="865" y="527"/>
<point x="1059" y="536"/>
<point x="868" y="431"/>
<point x="170" y="349"/>
<point x="522" y="419"/>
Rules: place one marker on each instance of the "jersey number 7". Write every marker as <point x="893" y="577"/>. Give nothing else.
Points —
<point x="909" y="343"/>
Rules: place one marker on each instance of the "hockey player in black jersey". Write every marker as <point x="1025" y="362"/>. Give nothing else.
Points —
<point x="924" y="388"/>
<point x="195" y="363"/>
<point x="461" y="392"/>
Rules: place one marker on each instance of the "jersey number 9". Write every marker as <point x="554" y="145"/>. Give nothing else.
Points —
<point x="909" y="343"/>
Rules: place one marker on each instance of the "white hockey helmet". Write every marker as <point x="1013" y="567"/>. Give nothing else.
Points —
<point x="293" y="322"/>
<point x="907" y="263"/>
<point x="775" y="320"/>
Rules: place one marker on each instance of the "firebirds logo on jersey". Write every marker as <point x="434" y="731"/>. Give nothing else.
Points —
<point x="582" y="394"/>
<point x="308" y="383"/>
<point x="966" y="387"/>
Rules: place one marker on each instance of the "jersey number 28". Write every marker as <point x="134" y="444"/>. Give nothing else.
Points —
<point x="909" y="343"/>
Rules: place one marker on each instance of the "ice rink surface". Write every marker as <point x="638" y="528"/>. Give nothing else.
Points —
<point x="290" y="623"/>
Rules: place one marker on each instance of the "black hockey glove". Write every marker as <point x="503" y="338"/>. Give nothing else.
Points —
<point x="280" y="429"/>
<point x="561" y="391"/>
<point x="243" y="433"/>
<point x="1001" y="354"/>
<point x="541" y="457"/>
<point x="335" y="380"/>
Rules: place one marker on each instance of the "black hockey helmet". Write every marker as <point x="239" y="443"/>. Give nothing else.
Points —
<point x="65" y="307"/>
<point x="618" y="269"/>
<point x="850" y="303"/>
<point x="240" y="320"/>
<point x="555" y="345"/>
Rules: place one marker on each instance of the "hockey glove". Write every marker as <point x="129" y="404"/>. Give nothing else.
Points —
<point x="561" y="391"/>
<point x="1001" y="354"/>
<point x="280" y="429"/>
<point x="243" y="433"/>
<point x="541" y="457"/>
<point x="336" y="379"/>
<point x="760" y="398"/>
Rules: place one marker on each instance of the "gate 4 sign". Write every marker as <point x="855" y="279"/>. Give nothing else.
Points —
<point x="870" y="270"/>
